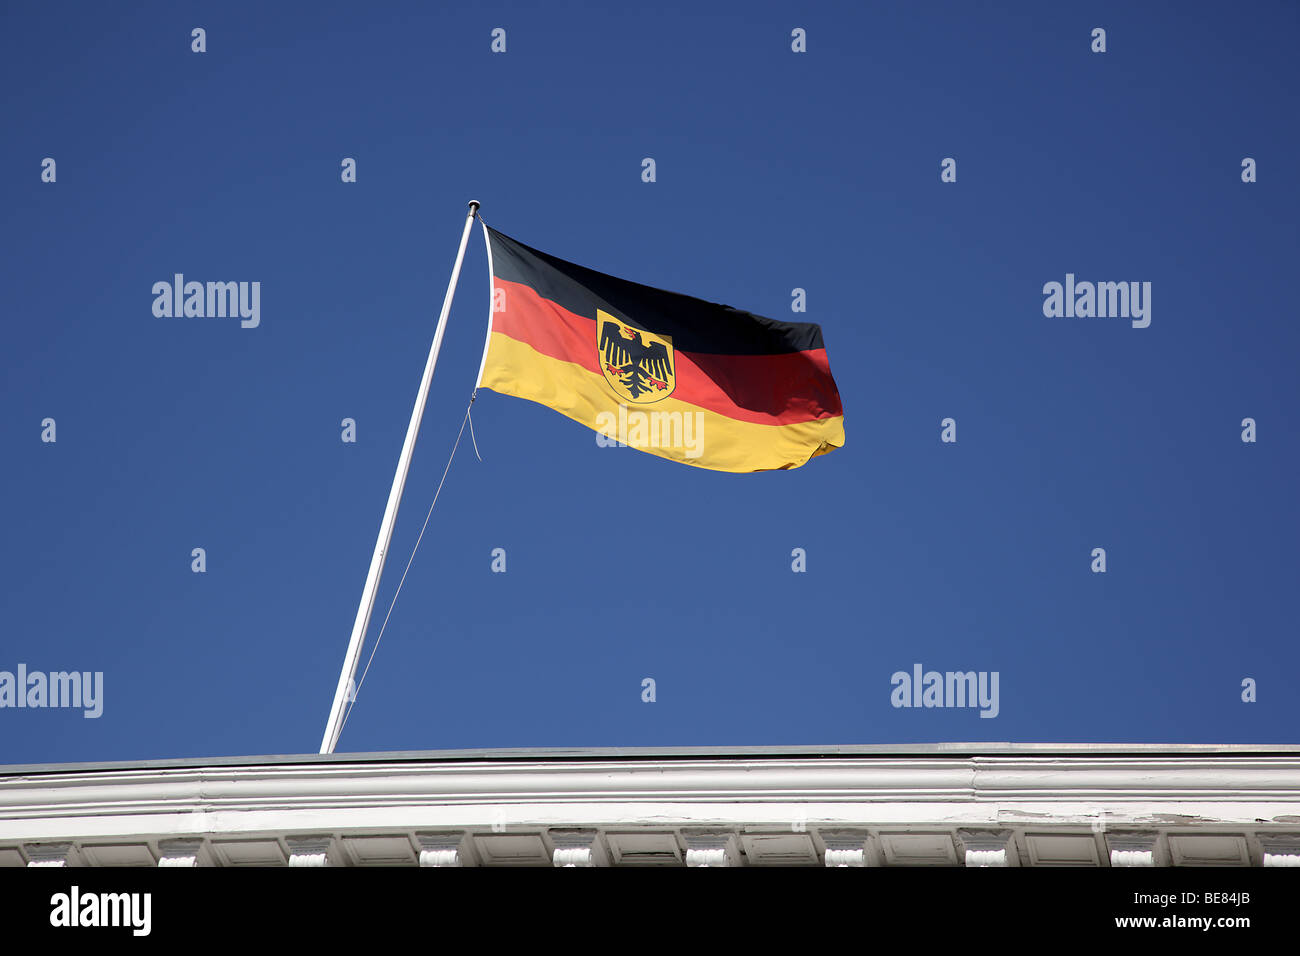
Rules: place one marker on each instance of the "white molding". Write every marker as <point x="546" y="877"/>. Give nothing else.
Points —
<point x="717" y="848"/>
<point x="845" y="848"/>
<point x="47" y="854"/>
<point x="1134" y="849"/>
<point x="309" y="850"/>
<point x="443" y="849"/>
<point x="803" y="786"/>
<point x="179" y="852"/>
<point x="1131" y="858"/>
<point x="908" y="810"/>
<point x="1280" y="849"/>
<point x="577" y="847"/>
<point x="989" y="848"/>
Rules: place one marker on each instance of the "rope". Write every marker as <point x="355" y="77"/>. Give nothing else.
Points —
<point x="472" y="439"/>
<point x="356" y="692"/>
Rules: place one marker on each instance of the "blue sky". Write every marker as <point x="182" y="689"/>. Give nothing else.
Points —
<point x="775" y="170"/>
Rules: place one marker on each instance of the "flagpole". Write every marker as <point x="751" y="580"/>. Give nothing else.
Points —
<point x="344" y="691"/>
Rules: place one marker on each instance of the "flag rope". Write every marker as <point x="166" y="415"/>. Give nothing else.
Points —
<point x="356" y="692"/>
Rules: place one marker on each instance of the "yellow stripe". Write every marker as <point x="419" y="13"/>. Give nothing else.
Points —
<point x="716" y="441"/>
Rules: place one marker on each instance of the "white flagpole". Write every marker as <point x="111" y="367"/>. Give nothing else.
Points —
<point x="341" y="696"/>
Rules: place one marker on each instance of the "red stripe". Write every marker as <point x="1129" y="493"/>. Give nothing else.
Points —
<point x="765" y="389"/>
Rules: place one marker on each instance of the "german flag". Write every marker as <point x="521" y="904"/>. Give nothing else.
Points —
<point x="675" y="376"/>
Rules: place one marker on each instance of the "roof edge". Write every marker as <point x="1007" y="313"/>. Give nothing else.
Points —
<point x="768" y="752"/>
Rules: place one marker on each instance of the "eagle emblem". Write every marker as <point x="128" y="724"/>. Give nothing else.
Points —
<point x="637" y="364"/>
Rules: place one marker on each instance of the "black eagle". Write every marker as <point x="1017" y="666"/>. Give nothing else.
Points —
<point x="639" y="367"/>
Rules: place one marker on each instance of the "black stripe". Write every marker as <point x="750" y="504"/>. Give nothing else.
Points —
<point x="693" y="324"/>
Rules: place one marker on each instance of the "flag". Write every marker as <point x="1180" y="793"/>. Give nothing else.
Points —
<point x="671" y="375"/>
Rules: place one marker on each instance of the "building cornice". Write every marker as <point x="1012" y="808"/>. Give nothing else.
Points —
<point x="584" y="754"/>
<point x="987" y="804"/>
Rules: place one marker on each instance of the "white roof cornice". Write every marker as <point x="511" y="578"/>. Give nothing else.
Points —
<point x="834" y="791"/>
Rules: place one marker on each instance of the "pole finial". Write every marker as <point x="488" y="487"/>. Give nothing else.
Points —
<point x="473" y="206"/>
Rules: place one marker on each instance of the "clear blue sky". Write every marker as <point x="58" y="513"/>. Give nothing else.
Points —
<point x="775" y="170"/>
